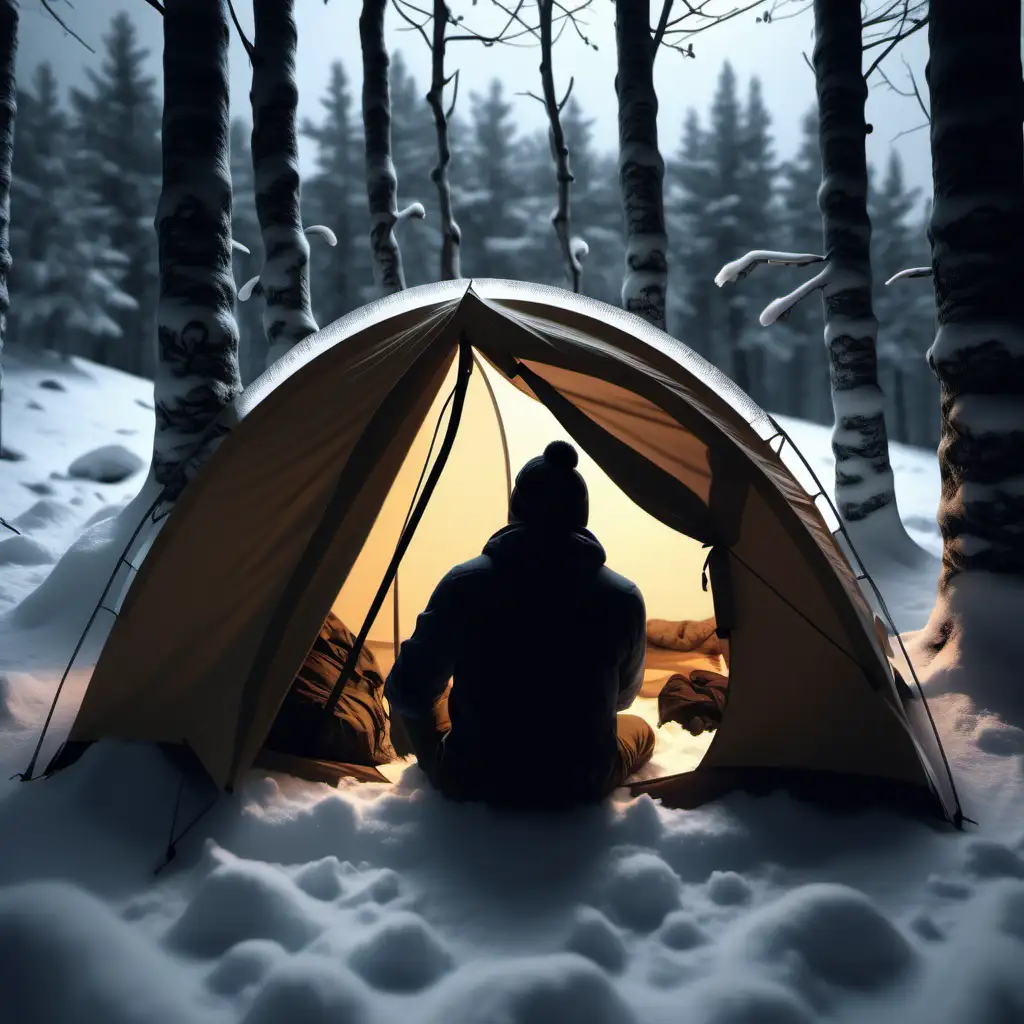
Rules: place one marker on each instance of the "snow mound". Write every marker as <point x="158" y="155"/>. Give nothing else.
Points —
<point x="838" y="935"/>
<point x="559" y="989"/>
<point x="43" y="514"/>
<point x="986" y="858"/>
<point x="593" y="936"/>
<point x="22" y="699"/>
<point x="748" y="1001"/>
<point x="102" y="514"/>
<point x="51" y="384"/>
<point x="680" y="931"/>
<point x="728" y="889"/>
<point x="311" y="991"/>
<point x="402" y="954"/>
<point x="66" y="956"/>
<point x="25" y="551"/>
<point x="242" y="900"/>
<point x="245" y="965"/>
<point x="642" y="889"/>
<point x="111" y="464"/>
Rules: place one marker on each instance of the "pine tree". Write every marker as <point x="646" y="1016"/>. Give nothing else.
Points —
<point x="341" y="278"/>
<point x="758" y="219"/>
<point x="117" y="125"/>
<point x="691" y="187"/>
<point x="798" y="337"/>
<point x="495" y="225"/>
<point x="66" y="279"/>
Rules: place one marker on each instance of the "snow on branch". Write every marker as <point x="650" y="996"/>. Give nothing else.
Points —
<point x="783" y="306"/>
<point x="910" y="272"/>
<point x="738" y="269"/>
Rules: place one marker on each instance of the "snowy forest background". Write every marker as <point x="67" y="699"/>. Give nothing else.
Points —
<point x="86" y="179"/>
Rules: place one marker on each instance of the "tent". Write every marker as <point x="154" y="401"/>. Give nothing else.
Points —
<point x="320" y="463"/>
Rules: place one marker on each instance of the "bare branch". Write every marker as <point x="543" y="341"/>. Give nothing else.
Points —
<point x="63" y="24"/>
<point x="241" y="35"/>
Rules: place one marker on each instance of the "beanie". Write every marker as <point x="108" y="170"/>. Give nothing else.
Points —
<point x="549" y="492"/>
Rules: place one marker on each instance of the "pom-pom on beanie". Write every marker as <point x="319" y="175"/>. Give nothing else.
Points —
<point x="550" y="493"/>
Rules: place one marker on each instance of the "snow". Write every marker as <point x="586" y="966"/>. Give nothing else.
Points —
<point x="372" y="903"/>
<point x="111" y="464"/>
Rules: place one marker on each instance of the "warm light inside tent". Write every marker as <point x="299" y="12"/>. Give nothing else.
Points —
<point x="470" y="503"/>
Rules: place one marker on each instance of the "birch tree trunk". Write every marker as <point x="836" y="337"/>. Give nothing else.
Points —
<point x="641" y="167"/>
<point x="381" y="179"/>
<point x="451" y="267"/>
<point x="977" y="224"/>
<point x="284" y="278"/>
<point x="8" y="112"/>
<point x="864" y="481"/>
<point x="197" y="360"/>
<point x="973" y="642"/>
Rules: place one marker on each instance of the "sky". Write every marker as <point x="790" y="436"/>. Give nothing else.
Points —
<point x="329" y="31"/>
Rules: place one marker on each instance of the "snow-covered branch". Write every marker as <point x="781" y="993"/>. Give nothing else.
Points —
<point x="381" y="177"/>
<point x="910" y="272"/>
<point x="739" y="269"/>
<point x="284" y="279"/>
<point x="560" y="218"/>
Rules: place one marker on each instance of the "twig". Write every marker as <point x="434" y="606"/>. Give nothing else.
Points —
<point x="249" y="49"/>
<point x="63" y="24"/>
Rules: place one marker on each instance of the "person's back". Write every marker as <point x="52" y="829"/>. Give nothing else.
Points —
<point x="545" y="644"/>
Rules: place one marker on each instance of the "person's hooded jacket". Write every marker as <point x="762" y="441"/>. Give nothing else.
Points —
<point x="545" y="644"/>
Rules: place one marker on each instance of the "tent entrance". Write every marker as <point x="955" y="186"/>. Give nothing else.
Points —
<point x="502" y="427"/>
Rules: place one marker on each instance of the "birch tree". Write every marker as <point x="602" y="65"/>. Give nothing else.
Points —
<point x="197" y="365"/>
<point x="864" y="485"/>
<point x="641" y="167"/>
<point x="284" y="278"/>
<point x="8" y="112"/>
<point x="574" y="250"/>
<point x="977" y="106"/>
<point x="381" y="178"/>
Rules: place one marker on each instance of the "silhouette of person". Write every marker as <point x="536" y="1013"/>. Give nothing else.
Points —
<point x="543" y="644"/>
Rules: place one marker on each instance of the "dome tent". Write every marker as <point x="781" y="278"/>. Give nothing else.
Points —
<point x="300" y="509"/>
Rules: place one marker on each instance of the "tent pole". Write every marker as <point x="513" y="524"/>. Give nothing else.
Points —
<point x="501" y="428"/>
<point x="461" y="384"/>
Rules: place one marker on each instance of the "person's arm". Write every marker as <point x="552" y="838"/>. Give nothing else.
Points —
<point x="631" y="671"/>
<point x="425" y="661"/>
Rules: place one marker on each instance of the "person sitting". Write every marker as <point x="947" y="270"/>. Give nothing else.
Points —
<point x="543" y="645"/>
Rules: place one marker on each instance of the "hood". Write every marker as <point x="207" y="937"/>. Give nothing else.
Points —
<point x="518" y="544"/>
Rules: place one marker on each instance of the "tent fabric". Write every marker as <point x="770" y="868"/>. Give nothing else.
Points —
<point x="296" y="500"/>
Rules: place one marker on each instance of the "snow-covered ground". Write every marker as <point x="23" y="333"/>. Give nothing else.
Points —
<point x="291" y="902"/>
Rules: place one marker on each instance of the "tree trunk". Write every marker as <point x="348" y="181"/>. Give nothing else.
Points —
<point x="8" y="111"/>
<point x="561" y="218"/>
<point x="641" y="168"/>
<point x="197" y="370"/>
<point x="977" y="223"/>
<point x="381" y="179"/>
<point x="864" y="480"/>
<point x="284" y="279"/>
<point x="451" y="268"/>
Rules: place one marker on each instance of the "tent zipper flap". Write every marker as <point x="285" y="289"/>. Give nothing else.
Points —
<point x="461" y="385"/>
